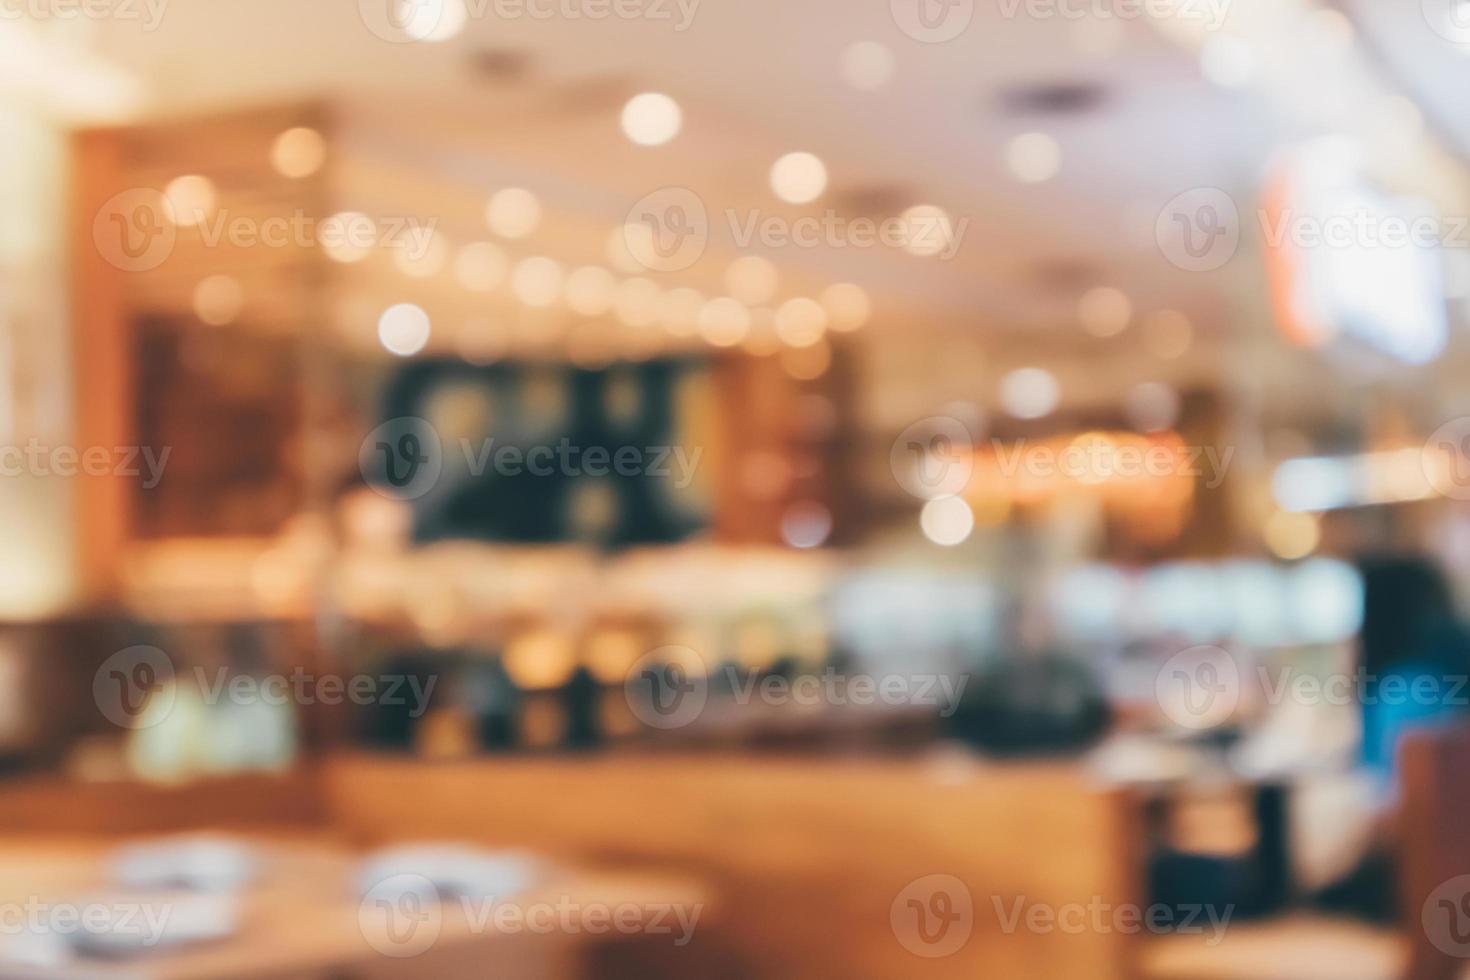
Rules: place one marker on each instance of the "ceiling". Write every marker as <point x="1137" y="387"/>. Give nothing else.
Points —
<point x="535" y="102"/>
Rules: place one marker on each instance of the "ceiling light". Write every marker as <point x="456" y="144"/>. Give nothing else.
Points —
<point x="1105" y="311"/>
<point x="298" y="152"/>
<point x="480" y="266"/>
<point x="847" y="306"/>
<point x="679" y="311"/>
<point x="724" y="322"/>
<point x="590" y="290"/>
<point x="218" y="299"/>
<point x="403" y="329"/>
<point x="798" y="178"/>
<point x="637" y="302"/>
<point x="513" y="212"/>
<point x="431" y="20"/>
<point x="927" y="230"/>
<point x="651" y="119"/>
<point x="800" y="322"/>
<point x="348" y="236"/>
<point x="947" y="521"/>
<point x="1029" y="393"/>
<point x="192" y="198"/>
<point x="537" y="281"/>
<point x="751" y="279"/>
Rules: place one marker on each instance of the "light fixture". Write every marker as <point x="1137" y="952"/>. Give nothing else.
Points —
<point x="425" y="262"/>
<point x="513" y="212"/>
<point x="679" y="311"/>
<point x="800" y="322"/>
<point x="1104" y="311"/>
<point x="637" y="302"/>
<point x="537" y="281"/>
<point x="348" y="236"/>
<point x="590" y="290"/>
<point x="1292" y="535"/>
<point x="1029" y="393"/>
<point x="480" y="266"/>
<point x="724" y="321"/>
<point x="192" y="198"/>
<point x="751" y="279"/>
<point x="946" y="521"/>
<point x="431" y="20"/>
<point x="298" y="152"/>
<point x="403" y="329"/>
<point x="218" y="299"/>
<point x="847" y="306"/>
<point x="651" y="119"/>
<point x="927" y="230"/>
<point x="798" y="178"/>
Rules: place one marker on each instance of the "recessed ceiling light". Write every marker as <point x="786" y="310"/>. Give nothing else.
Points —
<point x="799" y="178"/>
<point x="651" y="119"/>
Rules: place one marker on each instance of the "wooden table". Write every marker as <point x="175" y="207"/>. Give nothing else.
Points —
<point x="304" y="920"/>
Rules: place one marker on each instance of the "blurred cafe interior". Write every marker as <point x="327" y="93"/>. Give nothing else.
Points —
<point x="698" y="488"/>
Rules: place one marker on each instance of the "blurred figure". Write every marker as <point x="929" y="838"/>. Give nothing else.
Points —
<point x="1413" y="645"/>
